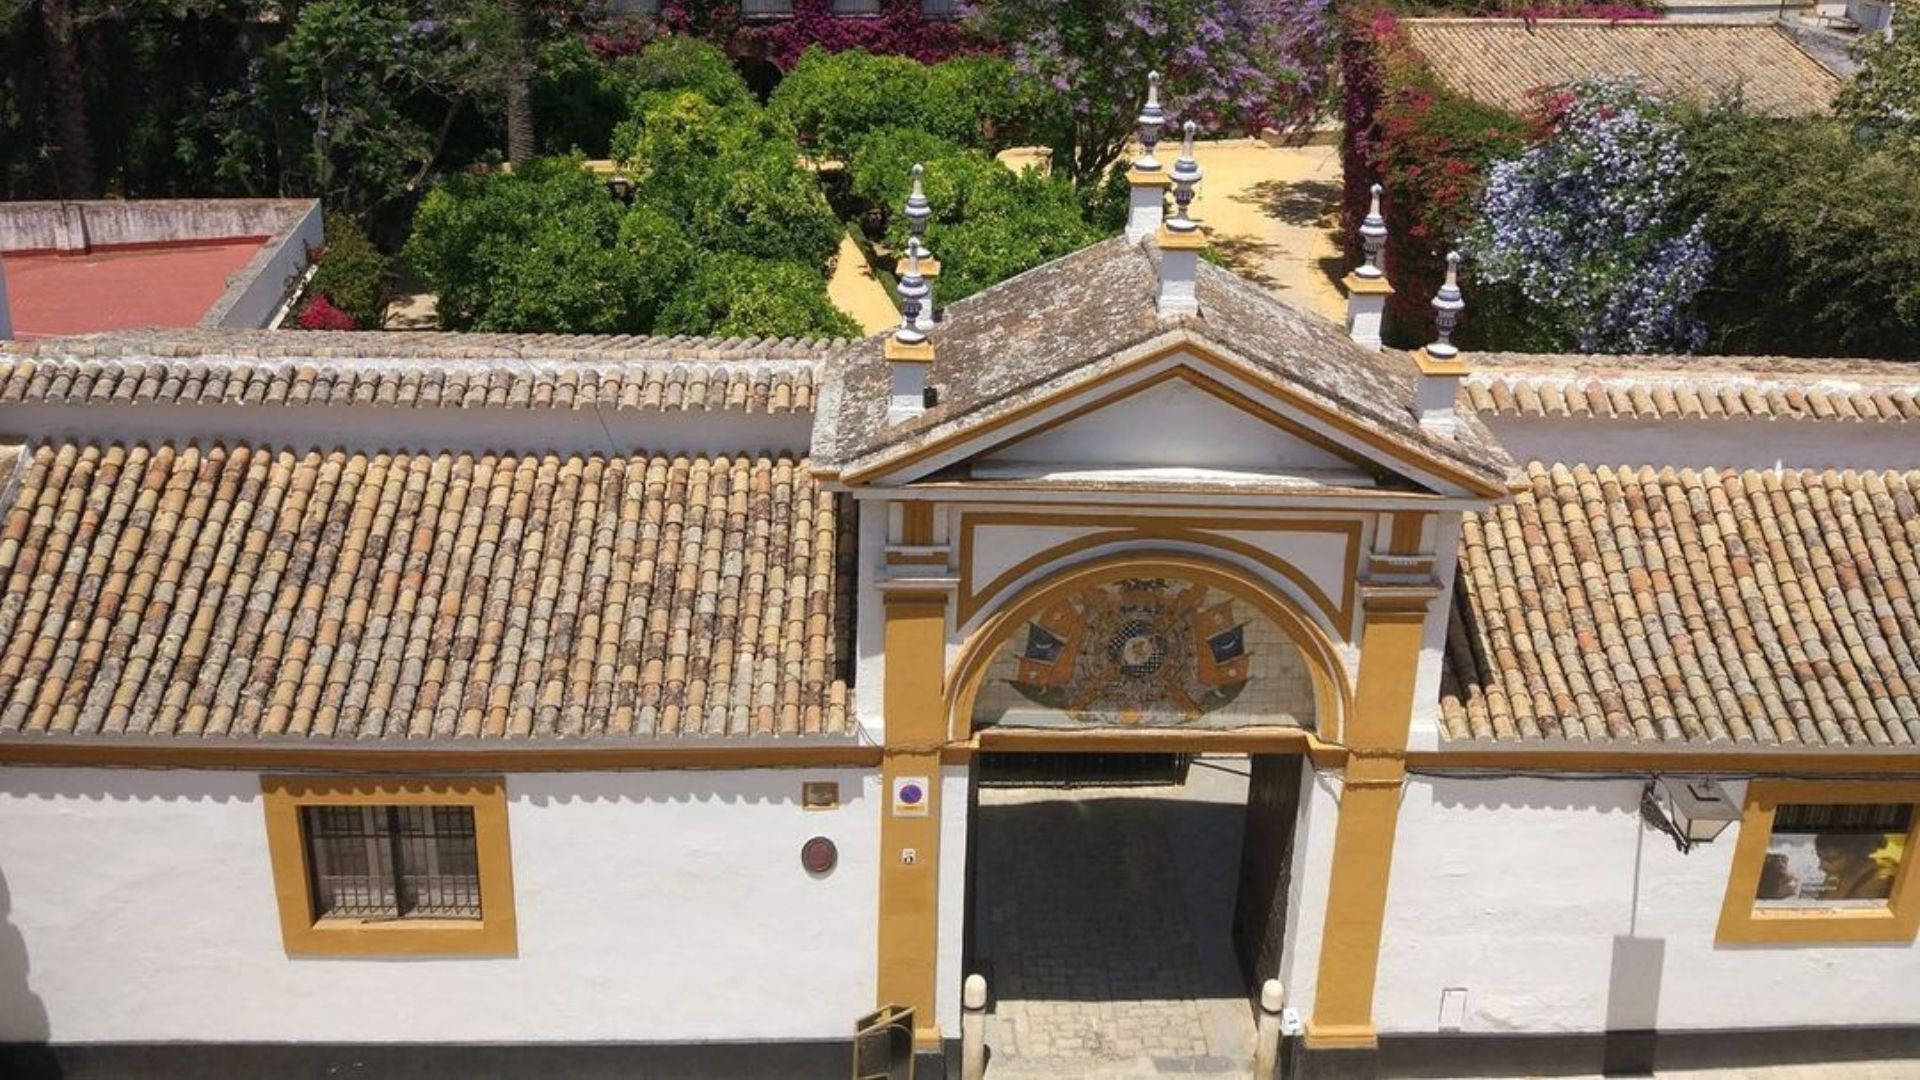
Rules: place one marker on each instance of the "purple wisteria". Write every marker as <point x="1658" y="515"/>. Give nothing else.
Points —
<point x="1233" y="66"/>
<point x="1588" y="227"/>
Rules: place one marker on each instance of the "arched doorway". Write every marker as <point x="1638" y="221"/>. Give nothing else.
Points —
<point x="1125" y="906"/>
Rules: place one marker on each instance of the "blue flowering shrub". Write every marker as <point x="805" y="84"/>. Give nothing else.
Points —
<point x="1587" y="232"/>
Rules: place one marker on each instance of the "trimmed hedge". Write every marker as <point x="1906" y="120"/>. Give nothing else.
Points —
<point x="834" y="100"/>
<point x="731" y="295"/>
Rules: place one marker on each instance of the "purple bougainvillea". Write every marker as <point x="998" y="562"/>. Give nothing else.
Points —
<point x="1588" y="228"/>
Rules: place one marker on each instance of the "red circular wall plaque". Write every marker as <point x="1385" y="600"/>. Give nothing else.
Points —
<point x="819" y="855"/>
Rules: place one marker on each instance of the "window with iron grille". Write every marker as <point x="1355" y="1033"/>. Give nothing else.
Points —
<point x="392" y="862"/>
<point x="856" y="7"/>
<point x="766" y="8"/>
<point x="940" y="9"/>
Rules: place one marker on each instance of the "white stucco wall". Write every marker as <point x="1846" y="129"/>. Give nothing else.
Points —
<point x="1696" y="444"/>
<point x="1555" y="909"/>
<point x="1307" y="892"/>
<point x="652" y="906"/>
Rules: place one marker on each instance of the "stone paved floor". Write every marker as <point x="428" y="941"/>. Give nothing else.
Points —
<point x="1105" y="917"/>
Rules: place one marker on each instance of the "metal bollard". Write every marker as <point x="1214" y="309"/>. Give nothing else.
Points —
<point x="973" y="1028"/>
<point x="1266" y="1048"/>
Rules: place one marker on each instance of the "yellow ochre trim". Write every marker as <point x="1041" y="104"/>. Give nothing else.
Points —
<point x="909" y="917"/>
<point x="493" y="934"/>
<point x="1742" y="924"/>
<point x="1376" y="736"/>
<point x="1430" y="364"/>
<point x="929" y="268"/>
<point x="1138" y="177"/>
<point x="1175" y="240"/>
<point x="1363" y="286"/>
<point x="900" y="352"/>
<point x="1407" y="533"/>
<point x="1387" y="446"/>
<point x="1262" y="740"/>
<point x="916" y="523"/>
<point x="1185" y="528"/>
<point x="402" y="759"/>
<point x="1655" y="758"/>
<point x="1331" y="691"/>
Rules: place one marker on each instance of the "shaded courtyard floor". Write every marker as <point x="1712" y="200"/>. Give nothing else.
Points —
<point x="1104" y="922"/>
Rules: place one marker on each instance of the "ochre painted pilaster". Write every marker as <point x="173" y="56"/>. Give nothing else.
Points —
<point x="915" y="729"/>
<point x="1369" y="814"/>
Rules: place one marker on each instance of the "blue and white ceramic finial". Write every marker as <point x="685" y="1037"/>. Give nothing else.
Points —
<point x="913" y="292"/>
<point x="1373" y="236"/>
<point x="1447" y="306"/>
<point x="1186" y="173"/>
<point x="1151" y="120"/>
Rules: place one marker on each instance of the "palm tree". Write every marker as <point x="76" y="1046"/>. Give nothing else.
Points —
<point x="519" y="75"/>
<point x="73" y="150"/>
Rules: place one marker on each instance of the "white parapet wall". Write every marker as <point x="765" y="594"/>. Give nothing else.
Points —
<point x="1526" y="905"/>
<point x="653" y="906"/>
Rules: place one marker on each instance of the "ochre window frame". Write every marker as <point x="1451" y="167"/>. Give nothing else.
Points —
<point x="493" y="934"/>
<point x="1742" y="924"/>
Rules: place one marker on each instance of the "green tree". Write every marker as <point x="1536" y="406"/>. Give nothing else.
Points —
<point x="833" y="100"/>
<point x="544" y="249"/>
<point x="732" y="295"/>
<point x="1883" y="99"/>
<point x="1232" y="65"/>
<point x="733" y="174"/>
<point x="1816" y="237"/>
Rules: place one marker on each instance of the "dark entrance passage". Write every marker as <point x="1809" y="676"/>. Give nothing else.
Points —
<point x="1105" y="917"/>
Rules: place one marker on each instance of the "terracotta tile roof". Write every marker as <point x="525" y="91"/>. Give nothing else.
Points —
<point x="229" y="591"/>
<point x="1684" y="606"/>
<point x="1748" y="388"/>
<point x="414" y="370"/>
<point x="1499" y="61"/>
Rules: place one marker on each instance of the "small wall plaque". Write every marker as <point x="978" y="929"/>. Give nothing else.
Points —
<point x="820" y="794"/>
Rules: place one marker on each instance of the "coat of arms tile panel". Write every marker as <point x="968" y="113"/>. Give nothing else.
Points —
<point x="1147" y="653"/>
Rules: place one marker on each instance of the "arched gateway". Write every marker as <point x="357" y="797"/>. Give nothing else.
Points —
<point x="1139" y="515"/>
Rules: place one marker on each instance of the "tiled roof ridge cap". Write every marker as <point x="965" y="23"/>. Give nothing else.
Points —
<point x="539" y="364"/>
<point x="1717" y="379"/>
<point x="411" y="345"/>
<point x="1532" y="23"/>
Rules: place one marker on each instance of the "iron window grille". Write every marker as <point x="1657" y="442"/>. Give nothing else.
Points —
<point x="940" y="9"/>
<point x="393" y="862"/>
<point x="766" y="9"/>
<point x="856" y="7"/>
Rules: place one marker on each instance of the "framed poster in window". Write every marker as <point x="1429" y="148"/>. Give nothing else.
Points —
<point x="1824" y="861"/>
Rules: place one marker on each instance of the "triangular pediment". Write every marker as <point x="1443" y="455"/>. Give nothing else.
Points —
<point x="1183" y="415"/>
<point x="1068" y="337"/>
<point x="1180" y="424"/>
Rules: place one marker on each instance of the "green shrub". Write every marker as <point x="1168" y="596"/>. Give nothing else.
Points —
<point x="544" y="249"/>
<point x="733" y="174"/>
<point x="985" y="103"/>
<point x="676" y="65"/>
<point x="351" y="272"/>
<point x="735" y="295"/>
<point x="880" y="172"/>
<point x="1816" y="237"/>
<point x="834" y="100"/>
<point x="1012" y="225"/>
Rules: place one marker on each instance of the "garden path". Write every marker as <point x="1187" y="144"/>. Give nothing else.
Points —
<point x="854" y="290"/>
<point x="1273" y="213"/>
